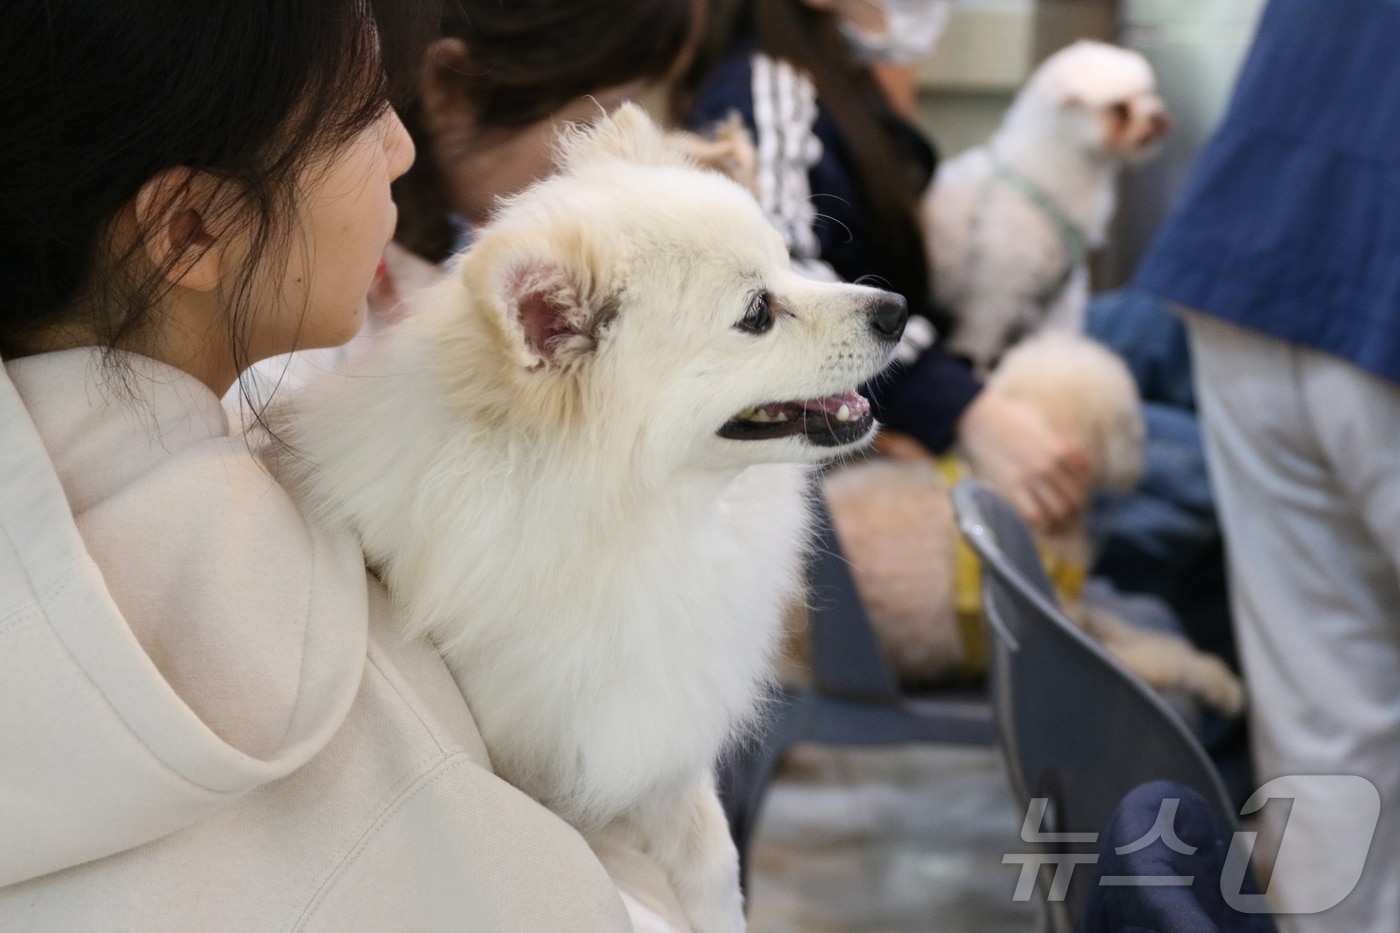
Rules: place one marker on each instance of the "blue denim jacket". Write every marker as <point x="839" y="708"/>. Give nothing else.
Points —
<point x="1290" y="221"/>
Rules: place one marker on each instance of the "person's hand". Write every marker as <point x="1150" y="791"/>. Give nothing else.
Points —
<point x="1014" y="448"/>
<point x="899" y="446"/>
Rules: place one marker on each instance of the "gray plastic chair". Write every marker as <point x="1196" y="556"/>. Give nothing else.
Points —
<point x="855" y="697"/>
<point x="1076" y="727"/>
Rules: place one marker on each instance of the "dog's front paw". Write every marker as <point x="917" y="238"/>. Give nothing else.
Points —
<point x="707" y="875"/>
<point x="689" y="837"/>
<point x="715" y="916"/>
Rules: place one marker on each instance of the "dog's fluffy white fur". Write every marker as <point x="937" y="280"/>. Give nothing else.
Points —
<point x="1003" y="260"/>
<point x="896" y="525"/>
<point x="567" y="466"/>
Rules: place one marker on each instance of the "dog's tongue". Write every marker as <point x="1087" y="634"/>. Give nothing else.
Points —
<point x="856" y="404"/>
<point x="853" y="402"/>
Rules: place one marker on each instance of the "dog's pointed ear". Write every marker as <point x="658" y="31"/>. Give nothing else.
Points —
<point x="551" y="313"/>
<point x="627" y="133"/>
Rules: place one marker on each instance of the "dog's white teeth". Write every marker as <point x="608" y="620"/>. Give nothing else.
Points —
<point x="761" y="415"/>
<point x="844" y="414"/>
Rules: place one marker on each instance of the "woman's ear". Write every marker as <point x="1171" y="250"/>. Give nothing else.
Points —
<point x="445" y="58"/>
<point x="176" y="218"/>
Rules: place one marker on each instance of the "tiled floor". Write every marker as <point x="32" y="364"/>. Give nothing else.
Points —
<point x="894" y="841"/>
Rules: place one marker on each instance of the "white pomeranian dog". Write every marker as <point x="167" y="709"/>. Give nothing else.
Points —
<point x="580" y="465"/>
<point x="1009" y="225"/>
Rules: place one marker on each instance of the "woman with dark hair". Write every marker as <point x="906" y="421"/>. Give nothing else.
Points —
<point x="840" y="173"/>
<point x="499" y="83"/>
<point x="210" y="720"/>
<point x="495" y="89"/>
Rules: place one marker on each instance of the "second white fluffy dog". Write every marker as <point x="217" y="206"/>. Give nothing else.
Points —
<point x="1009" y="225"/>
<point x="896" y="524"/>
<point x="576" y="466"/>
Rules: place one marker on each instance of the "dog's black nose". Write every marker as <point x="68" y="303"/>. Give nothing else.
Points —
<point x="888" y="314"/>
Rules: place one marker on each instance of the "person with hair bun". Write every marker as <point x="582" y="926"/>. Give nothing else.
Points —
<point x="499" y="82"/>
<point x="210" y="719"/>
<point x="496" y="87"/>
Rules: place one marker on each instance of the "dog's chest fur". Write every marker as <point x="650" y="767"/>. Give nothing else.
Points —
<point x="610" y="632"/>
<point x="618" y="656"/>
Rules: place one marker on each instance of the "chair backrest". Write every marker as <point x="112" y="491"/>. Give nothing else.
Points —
<point x="1076" y="727"/>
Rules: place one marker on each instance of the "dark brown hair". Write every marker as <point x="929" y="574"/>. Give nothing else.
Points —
<point x="811" y="41"/>
<point x="97" y="98"/>
<point x="525" y="60"/>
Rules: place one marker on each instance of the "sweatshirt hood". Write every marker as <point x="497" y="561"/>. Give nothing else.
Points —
<point x="173" y="632"/>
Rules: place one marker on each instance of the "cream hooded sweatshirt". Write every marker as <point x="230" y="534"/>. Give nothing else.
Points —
<point x="206" y="722"/>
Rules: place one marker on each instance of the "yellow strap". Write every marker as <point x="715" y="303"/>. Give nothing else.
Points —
<point x="949" y="469"/>
<point x="1066" y="576"/>
<point x="967" y="583"/>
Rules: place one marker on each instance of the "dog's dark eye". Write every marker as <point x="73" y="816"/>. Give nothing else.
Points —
<point x="759" y="318"/>
<point x="1121" y="112"/>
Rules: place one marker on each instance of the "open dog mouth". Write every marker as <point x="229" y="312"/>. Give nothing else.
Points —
<point x="826" y="422"/>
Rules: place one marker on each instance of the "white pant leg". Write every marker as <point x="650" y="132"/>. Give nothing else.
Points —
<point x="1304" y="452"/>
